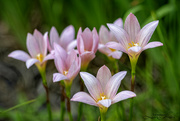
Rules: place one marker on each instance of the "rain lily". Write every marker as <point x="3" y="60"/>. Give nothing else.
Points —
<point x="37" y="47"/>
<point x="87" y="45"/>
<point x="132" y="39"/>
<point x="66" y="40"/>
<point x="106" y="36"/>
<point x="67" y="64"/>
<point x="102" y="89"/>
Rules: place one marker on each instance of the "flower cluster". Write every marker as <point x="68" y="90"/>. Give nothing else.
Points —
<point x="103" y="88"/>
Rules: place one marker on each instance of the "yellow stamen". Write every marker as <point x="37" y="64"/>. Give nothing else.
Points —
<point x="112" y="49"/>
<point x="133" y="44"/>
<point x="40" y="57"/>
<point x="65" y="73"/>
<point x="102" y="97"/>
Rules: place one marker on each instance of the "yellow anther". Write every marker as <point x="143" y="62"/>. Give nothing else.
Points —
<point x="65" y="73"/>
<point x="133" y="44"/>
<point x="112" y="49"/>
<point x="40" y="57"/>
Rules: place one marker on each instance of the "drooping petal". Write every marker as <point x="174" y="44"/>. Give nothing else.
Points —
<point x="58" y="77"/>
<point x="19" y="55"/>
<point x="152" y="45"/>
<point x="54" y="37"/>
<point x="32" y="45"/>
<point x="42" y="44"/>
<point x="120" y="34"/>
<point x="67" y="36"/>
<point x="116" y="54"/>
<point x="105" y="103"/>
<point x="132" y="26"/>
<point x="84" y="97"/>
<point x="92" y="84"/>
<point x="118" y="22"/>
<point x="103" y="76"/>
<point x="123" y="95"/>
<point x="145" y="33"/>
<point x="116" y="46"/>
<point x="113" y="84"/>
<point x="30" y="62"/>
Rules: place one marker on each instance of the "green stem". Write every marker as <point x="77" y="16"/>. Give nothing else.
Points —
<point x="103" y="113"/>
<point x="80" y="107"/>
<point x="62" y="104"/>
<point x="69" y="109"/>
<point x="43" y="75"/>
<point x="133" y="61"/>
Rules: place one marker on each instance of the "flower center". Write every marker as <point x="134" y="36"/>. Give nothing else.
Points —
<point x="40" y="57"/>
<point x="133" y="44"/>
<point x="102" y="97"/>
<point x="65" y="73"/>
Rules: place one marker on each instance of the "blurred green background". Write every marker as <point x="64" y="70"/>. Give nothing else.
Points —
<point x="158" y="69"/>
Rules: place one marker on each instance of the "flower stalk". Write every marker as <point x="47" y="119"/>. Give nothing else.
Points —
<point x="62" y="103"/>
<point x="41" y="69"/>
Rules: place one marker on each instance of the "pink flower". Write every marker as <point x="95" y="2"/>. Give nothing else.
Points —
<point x="37" y="47"/>
<point x="66" y="40"/>
<point x="106" y="36"/>
<point x="68" y="65"/>
<point x="132" y="39"/>
<point x="102" y="88"/>
<point x="87" y="45"/>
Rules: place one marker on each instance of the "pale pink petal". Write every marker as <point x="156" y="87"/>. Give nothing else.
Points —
<point x="123" y="95"/>
<point x="32" y="45"/>
<point x="87" y="37"/>
<point x="106" y="103"/>
<point x="48" y="57"/>
<point x="92" y="84"/>
<point x="95" y="40"/>
<point x="30" y="62"/>
<point x="116" y="46"/>
<point x="84" y="98"/>
<point x="80" y="45"/>
<point x="118" y="22"/>
<point x="54" y="37"/>
<point x="145" y="33"/>
<point x="59" y="51"/>
<point x="116" y="54"/>
<point x="19" y="55"/>
<point x="103" y="76"/>
<point x="152" y="45"/>
<point x="104" y="36"/>
<point x="58" y="77"/>
<point x="42" y="44"/>
<point x="86" y="57"/>
<point x="60" y="64"/>
<point x="120" y="34"/>
<point x="45" y="37"/>
<point x="67" y="36"/>
<point x="113" y="84"/>
<point x="103" y="49"/>
<point x="132" y="26"/>
<point x="71" y="45"/>
<point x="73" y="70"/>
